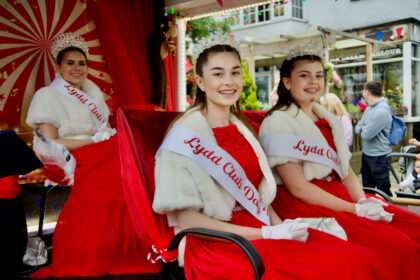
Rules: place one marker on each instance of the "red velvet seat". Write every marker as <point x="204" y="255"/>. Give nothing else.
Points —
<point x="140" y="133"/>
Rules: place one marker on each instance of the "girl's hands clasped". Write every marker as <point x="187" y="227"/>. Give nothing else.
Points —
<point x="373" y="209"/>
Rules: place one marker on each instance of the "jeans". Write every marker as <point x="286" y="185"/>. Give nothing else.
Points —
<point x="375" y="172"/>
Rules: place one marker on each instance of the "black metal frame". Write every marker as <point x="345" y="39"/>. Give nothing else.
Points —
<point x="172" y="271"/>
<point x="389" y="159"/>
<point x="405" y="156"/>
<point x="378" y="192"/>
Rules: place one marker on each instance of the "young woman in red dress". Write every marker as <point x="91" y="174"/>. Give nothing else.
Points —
<point x="193" y="196"/>
<point x="306" y="148"/>
<point x="94" y="233"/>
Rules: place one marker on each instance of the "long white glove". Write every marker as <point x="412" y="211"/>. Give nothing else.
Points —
<point x="373" y="209"/>
<point x="104" y="133"/>
<point x="289" y="229"/>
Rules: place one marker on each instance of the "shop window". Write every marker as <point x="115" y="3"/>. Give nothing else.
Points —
<point x="249" y="15"/>
<point x="263" y="82"/>
<point x="415" y="50"/>
<point x="389" y="74"/>
<point x="297" y="9"/>
<point x="261" y="13"/>
<point x="415" y="90"/>
<point x="236" y="16"/>
<point x="264" y="13"/>
<point x="278" y="9"/>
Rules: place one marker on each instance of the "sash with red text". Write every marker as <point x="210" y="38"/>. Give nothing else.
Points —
<point x="77" y="95"/>
<point x="219" y="165"/>
<point x="300" y="147"/>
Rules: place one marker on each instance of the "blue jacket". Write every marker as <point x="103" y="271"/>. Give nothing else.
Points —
<point x="377" y="120"/>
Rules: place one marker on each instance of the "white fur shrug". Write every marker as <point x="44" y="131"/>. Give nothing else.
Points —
<point x="182" y="184"/>
<point x="295" y="121"/>
<point x="72" y="119"/>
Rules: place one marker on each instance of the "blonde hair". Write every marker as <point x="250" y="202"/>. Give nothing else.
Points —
<point x="333" y="104"/>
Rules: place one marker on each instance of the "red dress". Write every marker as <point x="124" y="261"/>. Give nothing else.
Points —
<point x="397" y="243"/>
<point x="322" y="257"/>
<point x="94" y="233"/>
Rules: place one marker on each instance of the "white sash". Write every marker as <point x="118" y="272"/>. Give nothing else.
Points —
<point x="77" y="95"/>
<point x="300" y="147"/>
<point x="219" y="165"/>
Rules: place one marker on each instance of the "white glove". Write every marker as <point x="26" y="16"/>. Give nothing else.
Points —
<point x="289" y="229"/>
<point x="104" y="133"/>
<point x="326" y="224"/>
<point x="373" y="209"/>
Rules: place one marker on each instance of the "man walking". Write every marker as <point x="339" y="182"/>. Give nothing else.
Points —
<point x="373" y="128"/>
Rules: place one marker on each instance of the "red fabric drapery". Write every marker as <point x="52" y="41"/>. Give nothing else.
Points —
<point x="123" y="27"/>
<point x="171" y="73"/>
<point x="138" y="143"/>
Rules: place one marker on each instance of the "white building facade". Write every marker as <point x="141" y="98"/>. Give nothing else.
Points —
<point x="265" y="29"/>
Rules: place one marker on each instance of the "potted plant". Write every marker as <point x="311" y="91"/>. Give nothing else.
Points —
<point x="395" y="101"/>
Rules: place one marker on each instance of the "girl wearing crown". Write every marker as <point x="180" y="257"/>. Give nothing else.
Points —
<point x="94" y="233"/>
<point x="307" y="151"/>
<point x="211" y="172"/>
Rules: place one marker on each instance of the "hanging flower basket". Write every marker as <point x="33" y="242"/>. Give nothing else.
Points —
<point x="395" y="101"/>
<point x="399" y="111"/>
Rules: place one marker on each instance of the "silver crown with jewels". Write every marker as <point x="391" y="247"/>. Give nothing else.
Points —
<point x="215" y="38"/>
<point x="310" y="48"/>
<point x="67" y="40"/>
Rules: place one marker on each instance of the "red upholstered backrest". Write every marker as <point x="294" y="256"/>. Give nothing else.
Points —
<point x="140" y="133"/>
<point x="147" y="133"/>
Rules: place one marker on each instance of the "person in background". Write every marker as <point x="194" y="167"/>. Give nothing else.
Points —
<point x="334" y="82"/>
<point x="416" y="143"/>
<point x="333" y="104"/>
<point x="307" y="151"/>
<point x="16" y="158"/>
<point x="160" y="44"/>
<point x="374" y="127"/>
<point x="412" y="180"/>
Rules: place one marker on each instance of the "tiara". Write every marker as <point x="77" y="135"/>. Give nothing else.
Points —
<point x="310" y="48"/>
<point x="215" y="38"/>
<point x="67" y="40"/>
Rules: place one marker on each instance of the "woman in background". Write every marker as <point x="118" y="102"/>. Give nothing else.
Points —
<point x="333" y="104"/>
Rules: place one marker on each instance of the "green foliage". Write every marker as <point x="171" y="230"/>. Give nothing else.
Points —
<point x="200" y="28"/>
<point x="248" y="97"/>
<point x="395" y="101"/>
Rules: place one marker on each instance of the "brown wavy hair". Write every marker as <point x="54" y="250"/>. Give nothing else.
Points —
<point x="200" y="96"/>
<point x="285" y="97"/>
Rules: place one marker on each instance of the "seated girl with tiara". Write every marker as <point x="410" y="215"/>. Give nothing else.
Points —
<point x="307" y="151"/>
<point x="205" y="172"/>
<point x="94" y="233"/>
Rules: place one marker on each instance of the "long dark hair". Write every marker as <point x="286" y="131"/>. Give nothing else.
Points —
<point x="200" y="96"/>
<point x="285" y="98"/>
<point x="203" y="58"/>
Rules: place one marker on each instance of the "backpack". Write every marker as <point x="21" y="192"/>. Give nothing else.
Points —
<point x="398" y="130"/>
